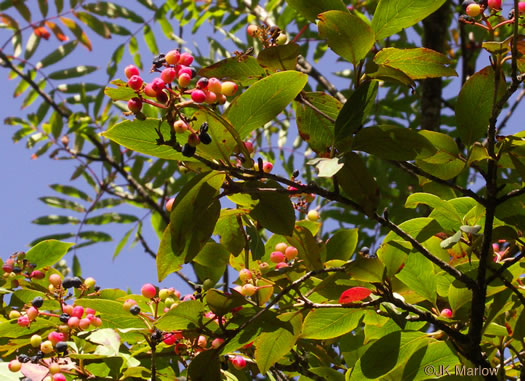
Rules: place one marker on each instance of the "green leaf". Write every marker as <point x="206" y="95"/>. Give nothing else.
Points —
<point x="47" y="253"/>
<point x="444" y="213"/>
<point x="437" y="354"/>
<point x="211" y="262"/>
<point x="418" y="63"/>
<point x="31" y="46"/>
<point x="77" y="270"/>
<point x="458" y="296"/>
<point x="58" y="202"/>
<point x="451" y="241"/>
<point x="112" y="10"/>
<point x="315" y="128"/>
<point x="281" y="57"/>
<point x="71" y="191"/>
<point x="108" y="218"/>
<point x="55" y="56"/>
<point x="121" y="93"/>
<point x="392" y="16"/>
<point x="309" y="249"/>
<point x="187" y="315"/>
<point x="445" y="163"/>
<point x="328" y="323"/>
<point x="97" y="26"/>
<point x="271" y="347"/>
<point x="311" y="8"/>
<point x="122" y="242"/>
<point x="246" y="71"/>
<point x="393" y="350"/>
<point x="221" y="303"/>
<point x="418" y="275"/>
<point x="73" y="72"/>
<point x="149" y="37"/>
<point x="264" y="100"/>
<point x="274" y="211"/>
<point x="354" y="112"/>
<point x="358" y="183"/>
<point x="229" y="229"/>
<point x="326" y="167"/>
<point x="205" y="367"/>
<point x="474" y="105"/>
<point x="342" y="245"/>
<point x="77" y="32"/>
<point x="346" y="34"/>
<point x="393" y="143"/>
<point x="55" y="220"/>
<point x="366" y="269"/>
<point x="385" y="73"/>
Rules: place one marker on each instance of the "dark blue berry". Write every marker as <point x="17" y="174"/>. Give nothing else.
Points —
<point x="134" y="310"/>
<point x="37" y="302"/>
<point x="188" y="150"/>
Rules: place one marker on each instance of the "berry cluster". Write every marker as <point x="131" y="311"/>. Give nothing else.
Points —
<point x="169" y="88"/>
<point x="283" y="254"/>
<point x="476" y="8"/>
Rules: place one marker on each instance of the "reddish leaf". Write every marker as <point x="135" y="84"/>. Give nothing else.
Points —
<point x="57" y="31"/>
<point x="354" y="294"/>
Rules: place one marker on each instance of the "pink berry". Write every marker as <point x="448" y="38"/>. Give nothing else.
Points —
<point x="172" y="57"/>
<point x="446" y="313"/>
<point x="186" y="59"/>
<point x="202" y="341"/>
<point x="214" y="85"/>
<point x="211" y="97"/>
<point x="135" y="82"/>
<point x="158" y="85"/>
<point x="473" y="10"/>
<point x="67" y="308"/>
<point x="238" y="362"/>
<point x="168" y="75"/>
<point x="130" y="71"/>
<point x="135" y="105"/>
<point x="252" y="30"/>
<point x="281" y="265"/>
<point x="249" y="147"/>
<point x="73" y="322"/>
<point x="198" y="96"/>
<point x="494" y="4"/>
<point x="291" y="252"/>
<point x="37" y="274"/>
<point x="149" y="91"/>
<point x="216" y="343"/>
<point x="228" y="88"/>
<point x="521" y="7"/>
<point x="55" y="337"/>
<point x="32" y="313"/>
<point x="267" y="167"/>
<point x="84" y="323"/>
<point x="78" y="311"/>
<point x="184" y="80"/>
<point x="90" y="311"/>
<point x="97" y="322"/>
<point x="188" y="297"/>
<point x="277" y="257"/>
<point x="148" y="291"/>
<point x="184" y="70"/>
<point x="59" y="377"/>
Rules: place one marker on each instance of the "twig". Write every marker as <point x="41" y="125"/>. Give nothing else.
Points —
<point x="505" y="266"/>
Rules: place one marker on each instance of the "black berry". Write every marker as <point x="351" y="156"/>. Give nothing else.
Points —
<point x="67" y="282"/>
<point x="37" y="302"/>
<point x="61" y="347"/>
<point x="188" y="150"/>
<point x="34" y="359"/>
<point x="17" y="270"/>
<point x="64" y="318"/>
<point x="23" y="358"/>
<point x="134" y="310"/>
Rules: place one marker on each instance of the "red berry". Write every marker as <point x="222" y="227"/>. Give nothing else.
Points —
<point x="249" y="147"/>
<point x="291" y="252"/>
<point x="238" y="362"/>
<point x="446" y="313"/>
<point x="135" y="82"/>
<point x="78" y="311"/>
<point x="281" y="265"/>
<point x="59" y="377"/>
<point x="134" y="105"/>
<point x="37" y="274"/>
<point x="267" y="167"/>
<point x="55" y="337"/>
<point x="252" y="30"/>
<point x="149" y="91"/>
<point x="130" y="71"/>
<point x="7" y="268"/>
<point x="211" y="97"/>
<point x="216" y="343"/>
<point x="158" y="85"/>
<point x="162" y="97"/>
<point x="172" y="57"/>
<point x="494" y="4"/>
<point x="184" y="80"/>
<point x="186" y="59"/>
<point x="184" y="70"/>
<point x="148" y="291"/>
<point x="202" y="83"/>
<point x="277" y="257"/>
<point x="168" y="75"/>
<point x="521" y="7"/>
<point x="473" y="10"/>
<point x="194" y="140"/>
<point x="198" y="96"/>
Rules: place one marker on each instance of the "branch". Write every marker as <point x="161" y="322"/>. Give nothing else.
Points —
<point x="511" y="194"/>
<point x="7" y="63"/>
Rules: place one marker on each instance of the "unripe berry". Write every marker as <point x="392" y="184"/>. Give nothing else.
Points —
<point x="148" y="291"/>
<point x="128" y="304"/>
<point x="14" y="314"/>
<point x="32" y="313"/>
<point x="90" y="282"/>
<point x="14" y="365"/>
<point x="228" y="88"/>
<point x="73" y="322"/>
<point x="194" y="140"/>
<point x="67" y="309"/>
<point x="313" y="215"/>
<point x="267" y="167"/>
<point x="473" y="10"/>
<point x="248" y="289"/>
<point x="180" y="126"/>
<point x="202" y="341"/>
<point x="172" y="57"/>
<point x="214" y="85"/>
<point x="130" y="71"/>
<point x="238" y="362"/>
<point x="221" y="99"/>
<point x="149" y="91"/>
<point x="55" y="279"/>
<point x="216" y="343"/>
<point x="245" y="275"/>
<point x="55" y="337"/>
<point x="135" y="82"/>
<point x="198" y="96"/>
<point x="494" y="4"/>
<point x="84" y="323"/>
<point x="466" y="3"/>
<point x="184" y="80"/>
<point x="188" y="297"/>
<point x="281" y="39"/>
<point x="290" y="253"/>
<point x="176" y="294"/>
<point x="135" y="105"/>
<point x="158" y="85"/>
<point x="309" y="197"/>
<point x="281" y="247"/>
<point x="446" y="313"/>
<point x="169" y="203"/>
<point x="277" y="257"/>
<point x="46" y="347"/>
<point x="211" y="97"/>
<point x="186" y="59"/>
<point x="168" y="75"/>
<point x="54" y="368"/>
<point x="252" y="30"/>
<point x="97" y="322"/>
<point x="164" y="293"/>
<point x="264" y="267"/>
<point x="35" y="341"/>
<point x="281" y="265"/>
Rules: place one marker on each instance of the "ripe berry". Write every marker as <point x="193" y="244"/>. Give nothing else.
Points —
<point x="214" y="85"/>
<point x="69" y="282"/>
<point x="46" y="347"/>
<point x="162" y="97"/>
<point x="128" y="304"/>
<point x="37" y="274"/>
<point x="78" y="311"/>
<point x="130" y="71"/>
<point x="473" y="10"/>
<point x="64" y="318"/>
<point x="172" y="57"/>
<point x="188" y="150"/>
<point x="149" y="91"/>
<point x="148" y="291"/>
<point x="7" y="268"/>
<point x="168" y="75"/>
<point x="252" y="30"/>
<point x="158" y="85"/>
<point x="291" y="252"/>
<point x="14" y="365"/>
<point x="277" y="257"/>
<point x="494" y="4"/>
<point x="267" y="167"/>
<point x="59" y="377"/>
<point x="198" y="96"/>
<point x="313" y="215"/>
<point x="238" y="362"/>
<point x="186" y="59"/>
<point x="228" y="88"/>
<point x="202" y="83"/>
<point x="184" y="80"/>
<point x="211" y="97"/>
<point x="55" y="280"/>
<point x="61" y="347"/>
<point x="135" y="105"/>
<point x="446" y="313"/>
<point x="135" y="82"/>
<point x="521" y="7"/>
<point x="248" y="289"/>
<point x="134" y="310"/>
